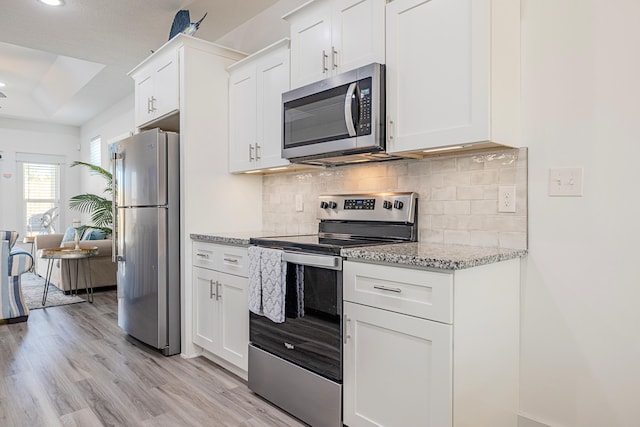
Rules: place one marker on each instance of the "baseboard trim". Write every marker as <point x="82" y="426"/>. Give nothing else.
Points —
<point x="528" y="422"/>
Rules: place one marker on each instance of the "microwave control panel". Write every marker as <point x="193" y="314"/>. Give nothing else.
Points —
<point x="364" y="119"/>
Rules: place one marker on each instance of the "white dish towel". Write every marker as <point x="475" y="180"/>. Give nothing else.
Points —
<point x="255" y="281"/>
<point x="267" y="283"/>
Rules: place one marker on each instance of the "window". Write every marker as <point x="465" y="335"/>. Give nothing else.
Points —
<point x="95" y="151"/>
<point x="40" y="183"/>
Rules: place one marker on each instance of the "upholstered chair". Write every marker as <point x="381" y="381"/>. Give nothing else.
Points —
<point x="13" y="262"/>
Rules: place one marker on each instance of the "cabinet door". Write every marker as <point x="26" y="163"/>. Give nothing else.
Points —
<point x="234" y="319"/>
<point x="311" y="44"/>
<point x="397" y="370"/>
<point x="437" y="73"/>
<point x="242" y="119"/>
<point x="144" y="92"/>
<point x="358" y="36"/>
<point x="205" y="309"/>
<point x="273" y="80"/>
<point x="166" y="86"/>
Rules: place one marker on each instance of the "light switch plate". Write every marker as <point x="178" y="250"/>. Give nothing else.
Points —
<point x="566" y="182"/>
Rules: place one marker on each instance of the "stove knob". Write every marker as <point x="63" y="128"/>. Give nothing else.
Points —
<point x="386" y="204"/>
<point x="333" y="205"/>
<point x="324" y="205"/>
<point x="398" y="204"/>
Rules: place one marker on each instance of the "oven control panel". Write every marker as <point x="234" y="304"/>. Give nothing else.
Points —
<point x="393" y="207"/>
<point x="366" y="204"/>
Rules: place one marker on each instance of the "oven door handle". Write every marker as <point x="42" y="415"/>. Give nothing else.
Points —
<point x="312" y="260"/>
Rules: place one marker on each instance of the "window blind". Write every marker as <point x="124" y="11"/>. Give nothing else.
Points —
<point x="95" y="151"/>
<point x="41" y="193"/>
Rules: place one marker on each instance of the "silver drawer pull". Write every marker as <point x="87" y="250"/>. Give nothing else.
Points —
<point x="235" y="261"/>
<point x="386" y="288"/>
<point x="202" y="255"/>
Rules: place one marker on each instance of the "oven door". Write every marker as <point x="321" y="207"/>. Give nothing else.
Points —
<point x="310" y="336"/>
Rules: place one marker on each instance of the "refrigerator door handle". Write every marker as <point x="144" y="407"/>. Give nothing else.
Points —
<point x="114" y="210"/>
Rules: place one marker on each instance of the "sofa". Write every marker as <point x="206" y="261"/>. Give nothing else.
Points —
<point x="13" y="263"/>
<point x="103" y="269"/>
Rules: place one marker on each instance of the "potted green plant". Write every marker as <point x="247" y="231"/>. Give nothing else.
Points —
<point x="98" y="207"/>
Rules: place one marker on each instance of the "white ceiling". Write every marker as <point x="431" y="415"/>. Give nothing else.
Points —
<point x="67" y="64"/>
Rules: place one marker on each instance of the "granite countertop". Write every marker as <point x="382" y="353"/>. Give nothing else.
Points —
<point x="238" y="238"/>
<point x="430" y="255"/>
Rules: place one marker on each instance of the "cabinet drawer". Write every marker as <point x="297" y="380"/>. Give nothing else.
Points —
<point x="233" y="260"/>
<point x="418" y="293"/>
<point x="223" y="258"/>
<point x="204" y="255"/>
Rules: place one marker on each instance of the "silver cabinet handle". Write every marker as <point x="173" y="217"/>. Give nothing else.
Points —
<point x="386" y="288"/>
<point x="235" y="261"/>
<point x="324" y="62"/>
<point x="205" y="256"/>
<point x="251" y="153"/>
<point x="334" y="57"/>
<point x="218" y="296"/>
<point x="258" y="149"/>
<point x="389" y="129"/>
<point x="149" y="110"/>
<point x="345" y="329"/>
<point x="211" y="289"/>
<point x="153" y="104"/>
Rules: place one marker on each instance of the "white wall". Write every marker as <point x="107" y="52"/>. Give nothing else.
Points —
<point x="117" y="121"/>
<point x="261" y="30"/>
<point x="21" y="136"/>
<point x="580" y="359"/>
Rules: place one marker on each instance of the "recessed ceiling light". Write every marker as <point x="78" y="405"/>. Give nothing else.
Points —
<point x="2" y="84"/>
<point x="52" y="2"/>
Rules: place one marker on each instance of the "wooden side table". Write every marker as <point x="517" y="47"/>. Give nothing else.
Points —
<point x="77" y="255"/>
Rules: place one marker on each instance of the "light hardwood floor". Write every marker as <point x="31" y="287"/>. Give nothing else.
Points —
<point x="73" y="366"/>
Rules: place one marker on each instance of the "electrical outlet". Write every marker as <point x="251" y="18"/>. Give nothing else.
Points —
<point x="299" y="203"/>
<point x="507" y="198"/>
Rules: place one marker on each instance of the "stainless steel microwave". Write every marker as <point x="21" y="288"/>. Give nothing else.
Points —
<point x="337" y="119"/>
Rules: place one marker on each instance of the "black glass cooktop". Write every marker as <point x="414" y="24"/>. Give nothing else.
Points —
<point x="315" y="243"/>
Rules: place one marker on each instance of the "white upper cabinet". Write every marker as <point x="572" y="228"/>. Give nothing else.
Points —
<point x="256" y="85"/>
<point x="242" y="119"/>
<point x="157" y="88"/>
<point x="453" y="73"/>
<point x="334" y="36"/>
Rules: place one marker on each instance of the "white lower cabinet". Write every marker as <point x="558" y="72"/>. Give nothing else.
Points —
<point x="397" y="369"/>
<point x="431" y="348"/>
<point x="220" y="310"/>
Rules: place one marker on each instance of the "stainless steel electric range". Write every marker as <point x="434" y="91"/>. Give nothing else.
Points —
<point x="297" y="364"/>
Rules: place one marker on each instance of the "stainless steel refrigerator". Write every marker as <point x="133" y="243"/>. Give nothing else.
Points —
<point x="147" y="237"/>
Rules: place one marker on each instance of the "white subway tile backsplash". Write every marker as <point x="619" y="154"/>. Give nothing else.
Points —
<point x="443" y="164"/>
<point x="457" y="195"/>
<point x="443" y="193"/>
<point x="458" y="178"/>
<point x="483" y="177"/>
<point x="470" y="193"/>
<point x="457" y="207"/>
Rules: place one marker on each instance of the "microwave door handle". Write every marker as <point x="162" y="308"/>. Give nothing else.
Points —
<point x="348" y="109"/>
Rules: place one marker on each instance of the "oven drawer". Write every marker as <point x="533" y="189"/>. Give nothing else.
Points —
<point x="223" y="258"/>
<point x="419" y="293"/>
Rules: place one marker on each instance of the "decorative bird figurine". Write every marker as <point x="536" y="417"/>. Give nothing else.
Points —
<point x="182" y="24"/>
